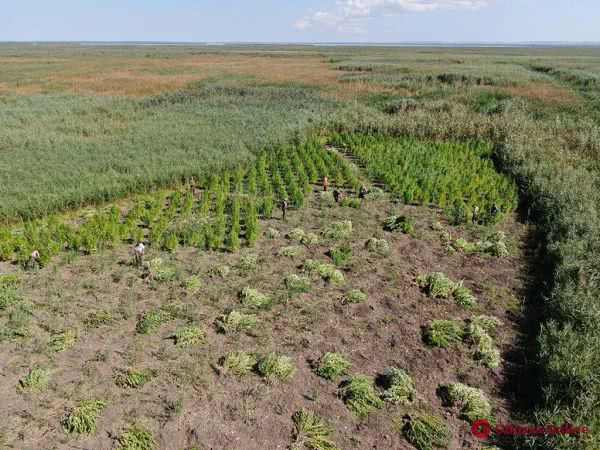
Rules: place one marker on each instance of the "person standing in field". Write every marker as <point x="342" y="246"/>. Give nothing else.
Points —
<point x="362" y="193"/>
<point x="284" y="205"/>
<point x="475" y="217"/>
<point x="138" y="252"/>
<point x="325" y="183"/>
<point x="337" y="196"/>
<point x="34" y="259"/>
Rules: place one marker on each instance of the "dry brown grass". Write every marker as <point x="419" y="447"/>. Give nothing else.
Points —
<point x="549" y="93"/>
<point x="147" y="76"/>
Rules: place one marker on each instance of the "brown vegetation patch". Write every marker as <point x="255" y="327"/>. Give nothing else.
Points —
<point x="548" y="92"/>
<point x="146" y="76"/>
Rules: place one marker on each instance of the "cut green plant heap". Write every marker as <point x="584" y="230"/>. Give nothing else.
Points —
<point x="398" y="386"/>
<point x="235" y="321"/>
<point x="427" y="432"/>
<point x="253" y="299"/>
<point x="35" y="381"/>
<point x="332" y="366"/>
<point x="136" y="437"/>
<point x="274" y="366"/>
<point x="82" y="419"/>
<point x="360" y="395"/>
<point x="472" y="401"/>
<point x="442" y="333"/>
<point x="402" y="223"/>
<point x="438" y="285"/>
<point x="312" y="432"/>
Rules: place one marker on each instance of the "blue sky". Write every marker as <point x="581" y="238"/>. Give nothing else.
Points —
<point x="301" y="20"/>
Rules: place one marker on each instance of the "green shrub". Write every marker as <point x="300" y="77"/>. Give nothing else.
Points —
<point x="82" y="419"/>
<point x="276" y="366"/>
<point x="488" y="323"/>
<point x="151" y="321"/>
<point x="427" y="432"/>
<point x="35" y="381"/>
<point x="398" y="386"/>
<point x="248" y="263"/>
<point x="474" y="405"/>
<point x="193" y="284"/>
<point x="296" y="234"/>
<point x="436" y="285"/>
<point x="442" y="333"/>
<point x="485" y="352"/>
<point x="235" y="321"/>
<point x="290" y="252"/>
<point x="240" y="363"/>
<point x="340" y="253"/>
<point x="380" y="247"/>
<point x="136" y="437"/>
<point x="332" y="366"/>
<point x="338" y="231"/>
<point x="351" y="202"/>
<point x="272" y="233"/>
<point x="464" y="297"/>
<point x="64" y="341"/>
<point x="465" y="246"/>
<point x="312" y="432"/>
<point x="134" y="378"/>
<point x="360" y="395"/>
<point x="188" y="336"/>
<point x="297" y="284"/>
<point x="161" y="272"/>
<point x="99" y="318"/>
<point x="355" y="296"/>
<point x="254" y="299"/>
<point x="326" y="271"/>
<point x="404" y="224"/>
<point x="310" y="239"/>
<point x="220" y="270"/>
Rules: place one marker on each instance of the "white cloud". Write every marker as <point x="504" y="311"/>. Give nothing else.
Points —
<point x="347" y="15"/>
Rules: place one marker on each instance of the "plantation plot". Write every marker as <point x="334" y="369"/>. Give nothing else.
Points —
<point x="254" y="347"/>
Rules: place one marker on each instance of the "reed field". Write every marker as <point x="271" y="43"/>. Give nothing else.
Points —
<point x="462" y="285"/>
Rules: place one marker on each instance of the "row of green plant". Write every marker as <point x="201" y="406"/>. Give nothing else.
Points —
<point x="225" y="216"/>
<point x="460" y="178"/>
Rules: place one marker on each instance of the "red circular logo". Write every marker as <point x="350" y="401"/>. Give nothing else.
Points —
<point x="481" y="428"/>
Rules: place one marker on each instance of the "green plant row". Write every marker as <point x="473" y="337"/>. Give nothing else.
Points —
<point x="216" y="212"/>
<point x="456" y="176"/>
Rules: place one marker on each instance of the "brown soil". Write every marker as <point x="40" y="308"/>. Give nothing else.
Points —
<point x="222" y="411"/>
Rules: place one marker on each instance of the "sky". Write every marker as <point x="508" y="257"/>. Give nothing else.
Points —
<point x="301" y="20"/>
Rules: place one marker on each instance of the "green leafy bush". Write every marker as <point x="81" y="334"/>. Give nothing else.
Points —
<point x="402" y="223"/>
<point x="290" y="252"/>
<point x="312" y="432"/>
<point x="188" y="336"/>
<point x="248" y="263"/>
<point x="161" y="272"/>
<point x="332" y="366"/>
<point x="151" y="321"/>
<point x="379" y="247"/>
<point x="338" y="230"/>
<point x="235" y="321"/>
<point x="326" y="271"/>
<point x="426" y="432"/>
<point x="355" y="296"/>
<point x="134" y="378"/>
<point x="35" y="381"/>
<point x="82" y="419"/>
<point x="136" y="437"/>
<point x="297" y="284"/>
<point x="253" y="299"/>
<point x="398" y="386"/>
<point x="276" y="366"/>
<point x="64" y="341"/>
<point x="340" y="253"/>
<point x="240" y="363"/>
<point x="360" y="395"/>
<point x="436" y="285"/>
<point x="296" y="234"/>
<point x="464" y="297"/>
<point x="474" y="405"/>
<point x="442" y="333"/>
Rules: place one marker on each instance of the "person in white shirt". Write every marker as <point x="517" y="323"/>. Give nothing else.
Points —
<point x="138" y="252"/>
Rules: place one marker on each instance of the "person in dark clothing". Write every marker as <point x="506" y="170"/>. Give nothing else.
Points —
<point x="362" y="193"/>
<point x="495" y="210"/>
<point x="336" y="195"/>
<point x="284" y="205"/>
